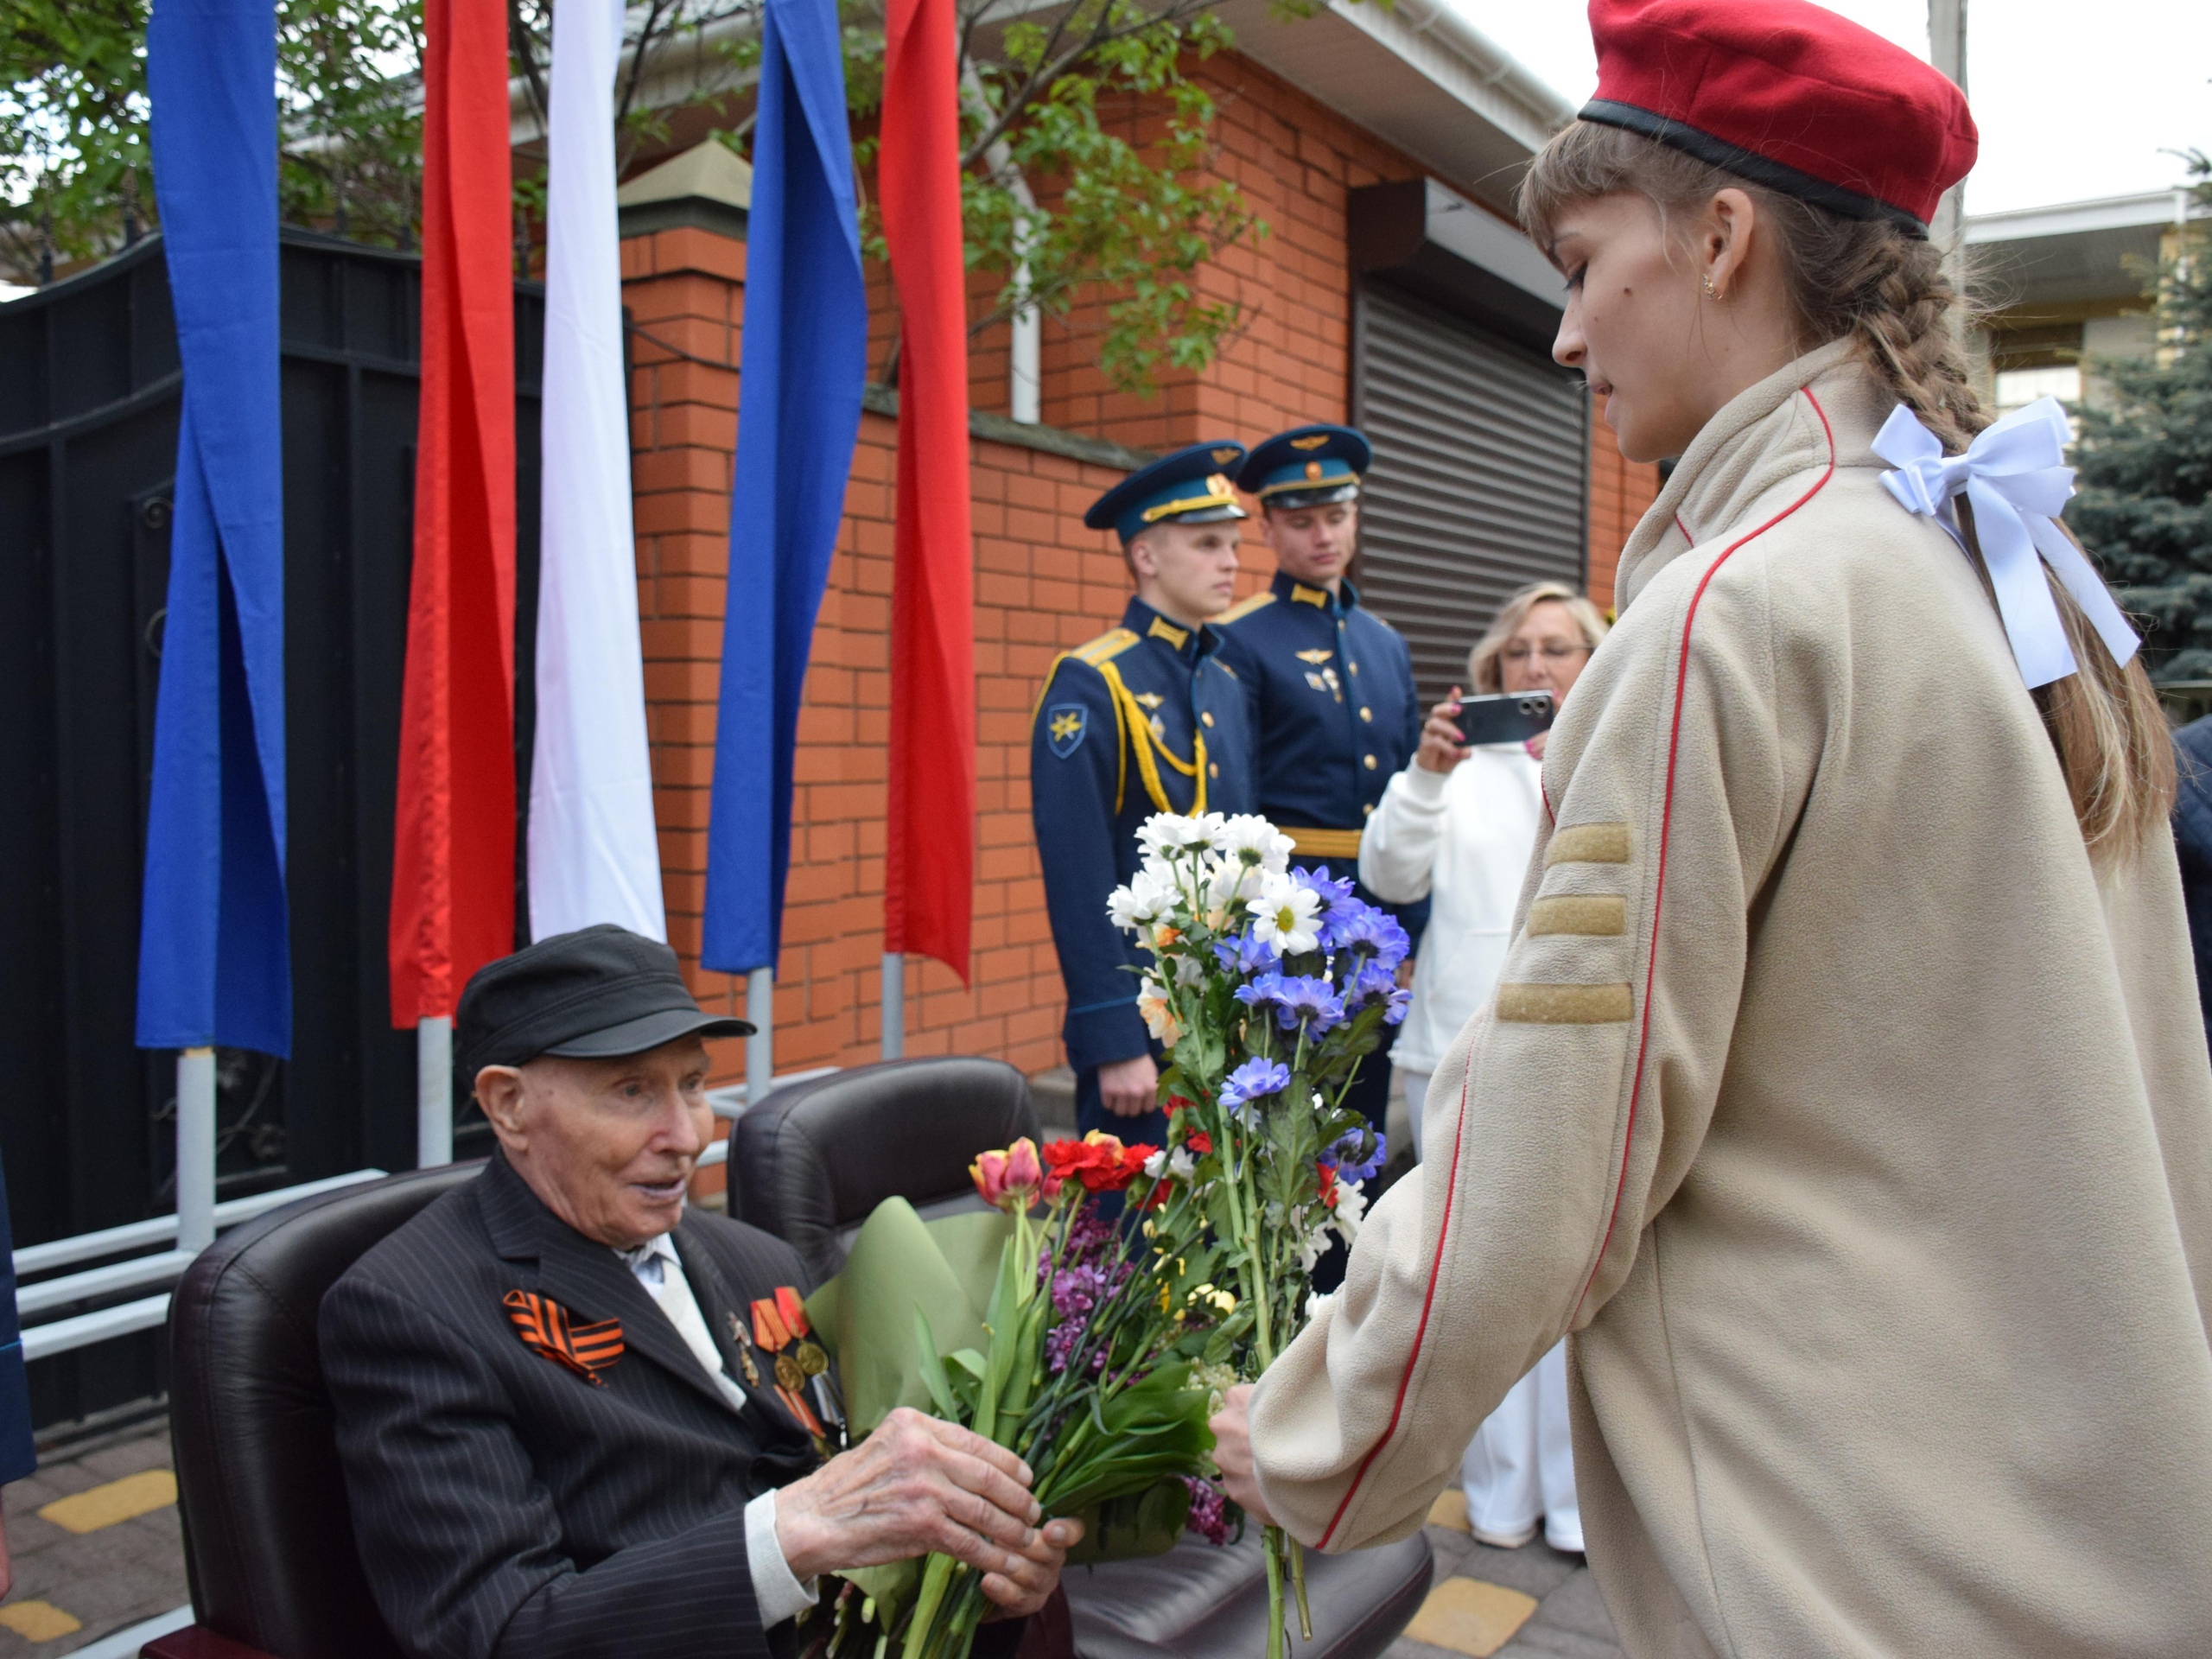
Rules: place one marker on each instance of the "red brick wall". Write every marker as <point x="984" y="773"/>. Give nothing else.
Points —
<point x="1043" y="583"/>
<point x="1620" y="490"/>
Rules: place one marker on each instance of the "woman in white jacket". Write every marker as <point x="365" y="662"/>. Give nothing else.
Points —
<point x="1457" y="827"/>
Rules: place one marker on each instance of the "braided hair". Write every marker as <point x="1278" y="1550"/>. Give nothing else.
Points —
<point x="1884" y="289"/>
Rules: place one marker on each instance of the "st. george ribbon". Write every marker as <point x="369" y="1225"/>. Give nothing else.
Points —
<point x="2015" y="475"/>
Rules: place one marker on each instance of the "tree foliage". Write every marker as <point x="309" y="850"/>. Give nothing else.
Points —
<point x="2146" y="463"/>
<point x="1085" y="132"/>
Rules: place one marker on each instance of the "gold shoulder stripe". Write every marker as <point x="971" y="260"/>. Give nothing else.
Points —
<point x="1324" y="843"/>
<point x="1244" y="607"/>
<point x="1592" y="916"/>
<point x="1564" y="1005"/>
<point x="1588" y="844"/>
<point x="1106" y="647"/>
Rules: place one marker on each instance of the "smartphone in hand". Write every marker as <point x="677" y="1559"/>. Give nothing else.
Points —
<point x="1505" y="717"/>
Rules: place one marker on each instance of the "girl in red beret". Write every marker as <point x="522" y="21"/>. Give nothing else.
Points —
<point x="1845" y="1096"/>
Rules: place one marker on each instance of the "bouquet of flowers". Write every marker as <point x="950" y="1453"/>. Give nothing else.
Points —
<point x="1267" y="985"/>
<point x="1102" y="1357"/>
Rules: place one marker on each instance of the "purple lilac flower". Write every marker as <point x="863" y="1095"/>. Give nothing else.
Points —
<point x="1090" y="1236"/>
<point x="1076" y="1290"/>
<point x="1307" y="1001"/>
<point x="1245" y="954"/>
<point x="1209" y="1510"/>
<point x="1343" y="1153"/>
<point x="1252" y="1081"/>
<point x="1061" y="1343"/>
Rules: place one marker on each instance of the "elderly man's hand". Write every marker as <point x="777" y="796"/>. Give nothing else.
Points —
<point x="1232" y="1452"/>
<point x="916" y="1485"/>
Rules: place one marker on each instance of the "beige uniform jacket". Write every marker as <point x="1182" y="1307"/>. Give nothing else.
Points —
<point x="1860" y="1128"/>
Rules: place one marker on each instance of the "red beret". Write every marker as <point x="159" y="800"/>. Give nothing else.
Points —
<point x="1787" y="95"/>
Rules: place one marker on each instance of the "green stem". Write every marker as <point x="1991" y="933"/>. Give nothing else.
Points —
<point x="1273" y="1550"/>
<point x="1297" y="1552"/>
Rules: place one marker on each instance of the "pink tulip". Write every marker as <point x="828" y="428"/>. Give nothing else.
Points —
<point x="1009" y="1179"/>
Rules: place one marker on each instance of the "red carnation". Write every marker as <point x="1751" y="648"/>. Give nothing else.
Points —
<point x="1198" y="1142"/>
<point x="1329" y="1193"/>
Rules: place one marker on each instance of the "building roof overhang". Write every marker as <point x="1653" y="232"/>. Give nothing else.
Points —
<point x="1419" y="76"/>
<point x="2071" y="254"/>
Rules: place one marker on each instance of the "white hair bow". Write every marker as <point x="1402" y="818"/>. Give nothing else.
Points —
<point x="2014" y="474"/>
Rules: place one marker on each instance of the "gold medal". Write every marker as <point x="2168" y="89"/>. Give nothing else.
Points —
<point x="811" y="1359"/>
<point x="788" y="1374"/>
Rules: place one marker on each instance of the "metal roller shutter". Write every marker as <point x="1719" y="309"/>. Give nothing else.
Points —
<point x="1480" y="483"/>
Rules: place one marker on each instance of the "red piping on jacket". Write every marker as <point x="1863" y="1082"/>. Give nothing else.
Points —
<point x="1635" y="1088"/>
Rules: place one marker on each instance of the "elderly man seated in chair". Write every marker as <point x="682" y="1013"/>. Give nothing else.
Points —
<point x="557" y="1434"/>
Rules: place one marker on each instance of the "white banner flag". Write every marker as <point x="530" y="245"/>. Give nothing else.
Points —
<point x="593" y="854"/>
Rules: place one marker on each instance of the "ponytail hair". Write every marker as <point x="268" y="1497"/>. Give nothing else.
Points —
<point x="1878" y="285"/>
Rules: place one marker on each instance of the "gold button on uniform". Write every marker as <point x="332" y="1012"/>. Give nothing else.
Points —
<point x="1367" y="714"/>
<point x="1370" y="763"/>
<point x="1207" y="718"/>
<point x="1354" y="668"/>
<point x="1367" y="811"/>
<point x="1212" y="770"/>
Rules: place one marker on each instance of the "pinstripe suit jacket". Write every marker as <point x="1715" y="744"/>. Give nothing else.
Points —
<point x="506" y="1505"/>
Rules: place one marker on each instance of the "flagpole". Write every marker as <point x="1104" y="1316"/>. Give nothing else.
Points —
<point x="195" y="1148"/>
<point x="894" y="1004"/>
<point x="761" y="1046"/>
<point x="433" y="1092"/>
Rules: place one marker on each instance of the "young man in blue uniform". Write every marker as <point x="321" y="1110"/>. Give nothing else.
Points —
<point x="1144" y="719"/>
<point x="1329" y="685"/>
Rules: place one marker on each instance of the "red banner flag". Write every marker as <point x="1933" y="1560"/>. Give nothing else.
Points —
<point x="452" y="865"/>
<point x="928" y="863"/>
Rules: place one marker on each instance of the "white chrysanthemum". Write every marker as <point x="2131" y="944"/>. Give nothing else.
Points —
<point x="1249" y="839"/>
<point x="1190" y="970"/>
<point x="1231" y="883"/>
<point x="1287" y="916"/>
<point x="1146" y="900"/>
<point x="1168" y="832"/>
<point x="1178" y="1164"/>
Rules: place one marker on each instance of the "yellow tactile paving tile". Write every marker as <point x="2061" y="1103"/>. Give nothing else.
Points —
<point x="118" y="1500"/>
<point x="39" y="1621"/>
<point x="1450" y="1510"/>
<point x="1470" y="1616"/>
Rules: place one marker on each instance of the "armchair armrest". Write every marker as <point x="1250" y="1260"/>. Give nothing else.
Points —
<point x="198" y="1642"/>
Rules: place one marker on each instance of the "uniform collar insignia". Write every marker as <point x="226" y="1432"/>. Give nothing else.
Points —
<point x="1149" y="699"/>
<point x="1304" y="595"/>
<point x="1163" y="629"/>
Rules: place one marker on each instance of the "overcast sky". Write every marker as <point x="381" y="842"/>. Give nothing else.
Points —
<point x="2076" y="99"/>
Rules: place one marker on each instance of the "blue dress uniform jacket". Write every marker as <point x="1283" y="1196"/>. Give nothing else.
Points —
<point x="1330" y="687"/>
<point x="1144" y="719"/>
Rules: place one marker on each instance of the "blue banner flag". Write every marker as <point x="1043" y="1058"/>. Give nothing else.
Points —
<point x="214" y="963"/>
<point x="805" y="357"/>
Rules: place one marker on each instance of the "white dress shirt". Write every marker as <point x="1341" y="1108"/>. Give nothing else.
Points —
<point x="660" y="1270"/>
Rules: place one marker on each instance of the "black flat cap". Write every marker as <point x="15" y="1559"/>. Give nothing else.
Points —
<point x="596" y="994"/>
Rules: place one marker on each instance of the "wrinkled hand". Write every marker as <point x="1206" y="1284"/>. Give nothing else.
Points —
<point x="1129" y="1088"/>
<point x="918" y="1485"/>
<point x="1442" y="747"/>
<point x="1232" y="1453"/>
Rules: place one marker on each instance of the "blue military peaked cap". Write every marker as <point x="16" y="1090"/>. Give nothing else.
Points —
<point x="1308" y="466"/>
<point x="1188" y="487"/>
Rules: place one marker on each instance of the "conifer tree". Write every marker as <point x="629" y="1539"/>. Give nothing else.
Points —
<point x="2145" y="508"/>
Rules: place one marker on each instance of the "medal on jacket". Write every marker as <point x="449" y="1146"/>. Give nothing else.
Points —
<point x="737" y="1334"/>
<point x="780" y="1328"/>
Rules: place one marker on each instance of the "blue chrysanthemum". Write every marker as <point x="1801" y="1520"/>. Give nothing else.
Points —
<point x="1306" y="1001"/>
<point x="1254" y="1080"/>
<point x="1371" y="932"/>
<point x="1356" y="1154"/>
<point x="1245" y="954"/>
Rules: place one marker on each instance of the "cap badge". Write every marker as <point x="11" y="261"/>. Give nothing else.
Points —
<point x="1314" y="442"/>
<point x="1312" y="472"/>
<point x="1223" y="457"/>
<point x="1218" y="484"/>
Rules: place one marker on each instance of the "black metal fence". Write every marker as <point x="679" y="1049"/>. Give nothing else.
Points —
<point x="89" y="388"/>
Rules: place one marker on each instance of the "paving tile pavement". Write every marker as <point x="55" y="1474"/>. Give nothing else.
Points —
<point x="106" y="1578"/>
<point x="1569" y="1622"/>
